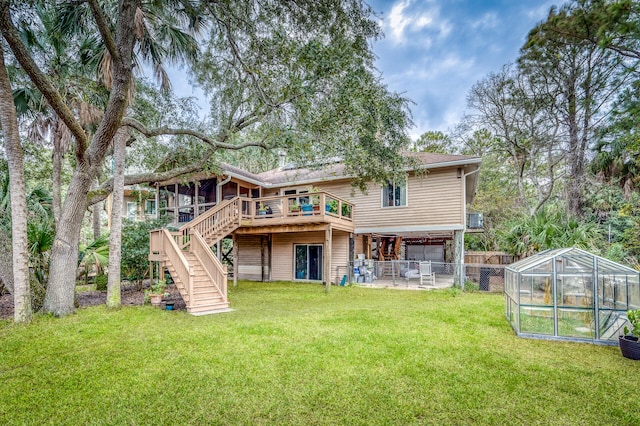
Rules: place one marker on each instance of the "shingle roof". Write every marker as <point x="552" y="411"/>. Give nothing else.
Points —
<point x="337" y="170"/>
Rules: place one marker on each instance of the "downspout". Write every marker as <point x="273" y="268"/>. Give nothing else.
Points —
<point x="463" y="277"/>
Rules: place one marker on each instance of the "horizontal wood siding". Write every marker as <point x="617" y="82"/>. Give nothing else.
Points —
<point x="433" y="199"/>
<point x="339" y="255"/>
<point x="282" y="246"/>
<point x="282" y="251"/>
<point x="249" y="258"/>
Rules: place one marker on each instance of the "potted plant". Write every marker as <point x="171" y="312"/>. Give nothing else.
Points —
<point x="294" y="207"/>
<point x="332" y="206"/>
<point x="156" y="292"/>
<point x="346" y="210"/>
<point x="307" y="208"/>
<point x="315" y="199"/>
<point x="262" y="209"/>
<point x="629" y="345"/>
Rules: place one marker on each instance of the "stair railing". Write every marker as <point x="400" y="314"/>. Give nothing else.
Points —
<point x="213" y="221"/>
<point x="179" y="262"/>
<point x="213" y="267"/>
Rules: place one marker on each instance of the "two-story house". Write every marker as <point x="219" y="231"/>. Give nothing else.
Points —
<point x="299" y="224"/>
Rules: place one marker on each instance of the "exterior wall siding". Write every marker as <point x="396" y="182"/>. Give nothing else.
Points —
<point x="433" y="199"/>
<point x="339" y="255"/>
<point x="282" y="252"/>
<point x="250" y="258"/>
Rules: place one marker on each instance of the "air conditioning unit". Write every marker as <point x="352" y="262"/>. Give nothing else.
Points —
<point x="475" y="221"/>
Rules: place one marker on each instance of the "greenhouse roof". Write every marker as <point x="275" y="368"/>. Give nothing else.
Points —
<point x="576" y="256"/>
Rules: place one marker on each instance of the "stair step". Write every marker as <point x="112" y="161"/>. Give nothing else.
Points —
<point x="208" y="300"/>
<point x="209" y="309"/>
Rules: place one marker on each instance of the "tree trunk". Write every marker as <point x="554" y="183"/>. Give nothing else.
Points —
<point x="15" y="159"/>
<point x="6" y="261"/>
<point x="64" y="253"/>
<point x="57" y="173"/>
<point x="95" y="218"/>
<point x="115" y="233"/>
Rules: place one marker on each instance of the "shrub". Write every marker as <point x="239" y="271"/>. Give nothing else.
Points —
<point x="101" y="282"/>
<point x="135" y="248"/>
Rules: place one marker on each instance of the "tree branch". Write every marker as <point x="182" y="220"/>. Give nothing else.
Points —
<point x="215" y="143"/>
<point x="105" y="189"/>
<point x="103" y="27"/>
<point x="41" y="81"/>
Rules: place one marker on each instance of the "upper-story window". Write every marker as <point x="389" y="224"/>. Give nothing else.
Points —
<point x="394" y="194"/>
<point x="150" y="207"/>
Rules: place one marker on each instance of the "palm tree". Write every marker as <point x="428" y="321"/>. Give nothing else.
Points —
<point x="95" y="255"/>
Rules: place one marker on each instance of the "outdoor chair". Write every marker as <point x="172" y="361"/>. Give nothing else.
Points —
<point x="426" y="274"/>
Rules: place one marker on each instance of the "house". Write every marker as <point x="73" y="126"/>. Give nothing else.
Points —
<point x="138" y="204"/>
<point x="308" y="224"/>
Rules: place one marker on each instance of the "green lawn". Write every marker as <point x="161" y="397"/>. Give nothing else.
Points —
<point x="291" y="354"/>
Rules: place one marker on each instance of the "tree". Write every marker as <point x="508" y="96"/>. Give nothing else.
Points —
<point x="435" y="142"/>
<point x="13" y="148"/>
<point x="523" y="122"/>
<point x="271" y="69"/>
<point x="582" y="78"/>
<point x="609" y="24"/>
<point x="115" y="233"/>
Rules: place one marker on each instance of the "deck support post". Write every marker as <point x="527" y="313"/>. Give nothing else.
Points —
<point x="458" y="248"/>
<point x="326" y="268"/>
<point x="235" y="259"/>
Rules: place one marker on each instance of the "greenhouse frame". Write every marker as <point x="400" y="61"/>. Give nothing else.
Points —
<point x="550" y="295"/>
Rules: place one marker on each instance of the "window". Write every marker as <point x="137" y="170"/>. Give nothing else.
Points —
<point x="150" y="207"/>
<point x="132" y="210"/>
<point x="394" y="194"/>
<point x="308" y="261"/>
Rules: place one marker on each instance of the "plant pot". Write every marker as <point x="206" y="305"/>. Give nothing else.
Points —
<point x="629" y="346"/>
<point x="155" y="299"/>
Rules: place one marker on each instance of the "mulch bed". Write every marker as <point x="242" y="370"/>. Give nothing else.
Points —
<point x="129" y="296"/>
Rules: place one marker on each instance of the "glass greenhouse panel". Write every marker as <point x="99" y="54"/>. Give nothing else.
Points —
<point x="575" y="290"/>
<point x="536" y="289"/>
<point x="633" y="290"/>
<point x="576" y="323"/>
<point x="536" y="320"/>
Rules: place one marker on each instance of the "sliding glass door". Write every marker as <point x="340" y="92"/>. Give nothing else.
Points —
<point x="308" y="261"/>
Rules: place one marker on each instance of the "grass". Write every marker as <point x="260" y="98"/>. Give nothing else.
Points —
<point x="291" y="354"/>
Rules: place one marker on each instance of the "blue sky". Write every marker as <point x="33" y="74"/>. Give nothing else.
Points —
<point x="434" y="51"/>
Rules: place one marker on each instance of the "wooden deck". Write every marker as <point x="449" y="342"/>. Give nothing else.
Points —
<point x="293" y="213"/>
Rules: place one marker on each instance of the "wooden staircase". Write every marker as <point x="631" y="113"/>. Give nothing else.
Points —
<point x="387" y="252"/>
<point x="187" y="255"/>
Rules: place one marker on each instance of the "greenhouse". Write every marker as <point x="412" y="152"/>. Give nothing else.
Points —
<point x="570" y="294"/>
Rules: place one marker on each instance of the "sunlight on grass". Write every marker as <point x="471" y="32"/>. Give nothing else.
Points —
<point x="292" y="354"/>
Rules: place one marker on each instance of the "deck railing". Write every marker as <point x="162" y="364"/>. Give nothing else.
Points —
<point x="320" y="204"/>
<point x="162" y="241"/>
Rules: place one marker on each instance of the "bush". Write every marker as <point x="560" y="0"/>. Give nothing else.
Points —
<point x="135" y="248"/>
<point x="471" y="286"/>
<point x="101" y="282"/>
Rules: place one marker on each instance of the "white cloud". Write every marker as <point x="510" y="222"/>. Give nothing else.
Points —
<point x="487" y="21"/>
<point x="397" y="21"/>
<point x="416" y="21"/>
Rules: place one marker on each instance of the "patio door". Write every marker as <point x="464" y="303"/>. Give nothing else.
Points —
<point x="308" y="261"/>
